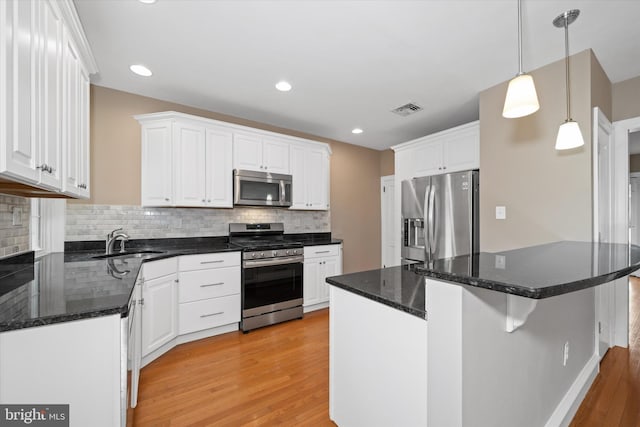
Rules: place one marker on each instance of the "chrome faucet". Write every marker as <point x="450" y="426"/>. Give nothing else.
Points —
<point x="114" y="236"/>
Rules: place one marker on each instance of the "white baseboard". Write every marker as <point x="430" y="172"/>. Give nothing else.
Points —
<point x="314" y="307"/>
<point x="571" y="401"/>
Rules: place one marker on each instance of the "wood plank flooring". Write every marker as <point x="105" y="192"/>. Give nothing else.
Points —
<point x="280" y="376"/>
<point x="614" y="397"/>
<point x="272" y="376"/>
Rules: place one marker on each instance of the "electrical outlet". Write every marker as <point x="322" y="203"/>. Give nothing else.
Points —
<point x="501" y="262"/>
<point x="565" y="354"/>
<point x="501" y="212"/>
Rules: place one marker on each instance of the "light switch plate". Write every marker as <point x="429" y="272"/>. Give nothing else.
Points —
<point x="501" y="212"/>
<point x="501" y="262"/>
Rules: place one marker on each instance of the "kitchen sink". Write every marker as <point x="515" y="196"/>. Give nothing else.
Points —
<point x="129" y="254"/>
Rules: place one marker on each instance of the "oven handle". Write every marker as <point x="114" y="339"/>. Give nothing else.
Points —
<point x="253" y="263"/>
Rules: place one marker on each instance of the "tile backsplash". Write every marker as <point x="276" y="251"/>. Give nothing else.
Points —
<point x="14" y="238"/>
<point x="93" y="222"/>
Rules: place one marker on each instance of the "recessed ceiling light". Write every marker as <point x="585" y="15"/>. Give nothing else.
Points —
<point x="357" y="131"/>
<point x="147" y="1"/>
<point x="283" y="86"/>
<point x="141" y="70"/>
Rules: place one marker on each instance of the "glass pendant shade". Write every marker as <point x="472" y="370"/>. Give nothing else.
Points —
<point x="522" y="98"/>
<point x="569" y="136"/>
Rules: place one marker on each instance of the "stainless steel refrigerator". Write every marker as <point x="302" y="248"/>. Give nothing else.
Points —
<point x="440" y="216"/>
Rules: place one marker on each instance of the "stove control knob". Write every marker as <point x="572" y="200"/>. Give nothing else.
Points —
<point x="253" y="255"/>
<point x="274" y="253"/>
<point x="262" y="254"/>
<point x="289" y="252"/>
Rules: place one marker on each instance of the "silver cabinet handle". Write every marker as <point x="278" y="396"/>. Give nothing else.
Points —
<point x="212" y="262"/>
<point x="212" y="314"/>
<point x="212" y="284"/>
<point x="323" y="252"/>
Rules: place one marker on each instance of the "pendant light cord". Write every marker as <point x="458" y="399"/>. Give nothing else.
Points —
<point x="566" y="59"/>
<point x="519" y="40"/>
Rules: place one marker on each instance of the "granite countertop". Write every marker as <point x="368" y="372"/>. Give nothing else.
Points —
<point x="537" y="272"/>
<point x="541" y="271"/>
<point x="74" y="285"/>
<point x="398" y="287"/>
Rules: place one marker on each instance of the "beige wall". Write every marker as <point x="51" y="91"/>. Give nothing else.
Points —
<point x="601" y="88"/>
<point x="626" y="99"/>
<point x="387" y="162"/>
<point x="547" y="193"/>
<point x="115" y="170"/>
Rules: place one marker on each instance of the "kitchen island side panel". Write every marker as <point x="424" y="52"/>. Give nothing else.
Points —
<point x="518" y="378"/>
<point x="378" y="369"/>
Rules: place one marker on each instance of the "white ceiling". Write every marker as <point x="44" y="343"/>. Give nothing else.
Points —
<point x="350" y="62"/>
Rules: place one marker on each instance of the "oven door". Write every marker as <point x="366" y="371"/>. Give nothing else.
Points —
<point x="271" y="284"/>
<point x="261" y="189"/>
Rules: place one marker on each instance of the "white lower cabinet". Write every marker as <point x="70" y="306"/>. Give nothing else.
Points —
<point x="159" y="311"/>
<point x="76" y="363"/>
<point x="209" y="313"/>
<point x="188" y="298"/>
<point x="320" y="262"/>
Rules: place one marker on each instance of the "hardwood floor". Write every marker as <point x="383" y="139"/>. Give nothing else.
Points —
<point x="272" y="376"/>
<point x="280" y="376"/>
<point x="614" y="397"/>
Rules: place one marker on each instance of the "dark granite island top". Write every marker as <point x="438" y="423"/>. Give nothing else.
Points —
<point x="541" y="271"/>
<point x="536" y="272"/>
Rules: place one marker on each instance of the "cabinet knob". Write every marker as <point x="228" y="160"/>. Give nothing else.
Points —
<point x="166" y="199"/>
<point x="444" y="167"/>
<point x="209" y="201"/>
<point x="203" y="201"/>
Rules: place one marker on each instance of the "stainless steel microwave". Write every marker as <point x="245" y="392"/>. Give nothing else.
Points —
<point x="252" y="188"/>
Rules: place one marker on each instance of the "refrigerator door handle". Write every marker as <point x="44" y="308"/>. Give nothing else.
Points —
<point x="430" y="222"/>
<point x="434" y="220"/>
<point x="425" y="225"/>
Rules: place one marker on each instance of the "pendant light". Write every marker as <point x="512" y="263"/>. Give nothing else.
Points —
<point x="569" y="135"/>
<point x="521" y="99"/>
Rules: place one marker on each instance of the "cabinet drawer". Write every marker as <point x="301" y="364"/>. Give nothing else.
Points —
<point x="163" y="267"/>
<point x="205" y="261"/>
<point x="321" y="251"/>
<point x="209" y="313"/>
<point x="211" y="283"/>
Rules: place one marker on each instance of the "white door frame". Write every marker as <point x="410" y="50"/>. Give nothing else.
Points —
<point x="386" y="181"/>
<point x="621" y="130"/>
<point x="602" y="137"/>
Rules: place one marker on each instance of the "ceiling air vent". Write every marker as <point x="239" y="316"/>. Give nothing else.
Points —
<point x="407" y="109"/>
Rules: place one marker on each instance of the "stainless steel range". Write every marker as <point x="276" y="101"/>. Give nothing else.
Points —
<point x="272" y="271"/>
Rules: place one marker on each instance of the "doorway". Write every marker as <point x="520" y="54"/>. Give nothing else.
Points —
<point x="634" y="190"/>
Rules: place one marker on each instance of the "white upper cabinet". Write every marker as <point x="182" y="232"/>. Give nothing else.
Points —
<point x="260" y="153"/>
<point x="189" y="164"/>
<point x="310" y="172"/>
<point x="189" y="161"/>
<point x="45" y="64"/>
<point x="219" y="171"/>
<point x="157" y="179"/>
<point x="185" y="163"/>
<point x="452" y="150"/>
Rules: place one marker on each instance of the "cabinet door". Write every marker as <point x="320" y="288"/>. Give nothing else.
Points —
<point x="50" y="96"/>
<point x="275" y="155"/>
<point x="157" y="178"/>
<point x="19" y="48"/>
<point x="317" y="171"/>
<point x="427" y="159"/>
<point x="189" y="165"/>
<point x="311" y="289"/>
<point x="298" y="174"/>
<point x="83" y="135"/>
<point x="247" y="152"/>
<point x="331" y="266"/>
<point x="219" y="181"/>
<point x="462" y="151"/>
<point x="159" y="312"/>
<point x="72" y="108"/>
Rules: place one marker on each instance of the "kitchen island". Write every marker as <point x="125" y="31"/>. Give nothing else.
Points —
<point x="491" y="339"/>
